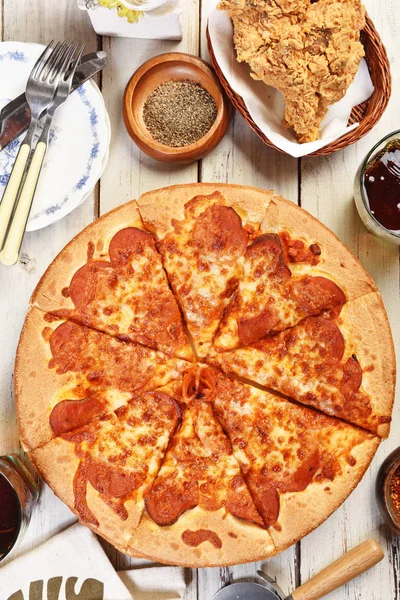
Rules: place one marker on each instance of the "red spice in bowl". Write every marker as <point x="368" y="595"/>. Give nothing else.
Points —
<point x="395" y="492"/>
<point x="387" y="490"/>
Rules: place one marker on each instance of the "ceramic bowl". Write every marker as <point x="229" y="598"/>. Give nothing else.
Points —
<point x="173" y="66"/>
<point x="382" y="490"/>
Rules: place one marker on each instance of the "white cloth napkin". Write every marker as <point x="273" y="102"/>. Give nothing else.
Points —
<point x="73" y="566"/>
<point x="155" y="583"/>
<point x="266" y="104"/>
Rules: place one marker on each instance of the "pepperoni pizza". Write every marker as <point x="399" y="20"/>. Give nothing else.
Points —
<point x="204" y="375"/>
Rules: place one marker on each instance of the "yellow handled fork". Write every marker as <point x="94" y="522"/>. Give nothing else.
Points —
<point x="25" y="187"/>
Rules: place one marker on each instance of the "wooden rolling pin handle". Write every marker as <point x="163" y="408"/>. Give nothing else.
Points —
<point x="352" y="564"/>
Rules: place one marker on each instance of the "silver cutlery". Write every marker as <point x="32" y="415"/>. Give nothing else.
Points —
<point x="15" y="116"/>
<point x="48" y="87"/>
<point x="41" y="86"/>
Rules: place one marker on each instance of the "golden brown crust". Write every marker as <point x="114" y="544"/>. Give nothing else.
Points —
<point x="336" y="260"/>
<point x="366" y="330"/>
<point x="57" y="463"/>
<point x="48" y="292"/>
<point x="302" y="512"/>
<point x="159" y="207"/>
<point x="239" y="541"/>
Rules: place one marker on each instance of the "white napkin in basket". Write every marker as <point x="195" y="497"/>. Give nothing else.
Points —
<point x="265" y="103"/>
<point x="73" y="565"/>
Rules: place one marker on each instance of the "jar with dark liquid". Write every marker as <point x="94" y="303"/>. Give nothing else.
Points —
<point x="377" y="188"/>
<point x="19" y="491"/>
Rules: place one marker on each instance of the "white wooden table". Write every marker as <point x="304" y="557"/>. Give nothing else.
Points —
<point x="323" y="186"/>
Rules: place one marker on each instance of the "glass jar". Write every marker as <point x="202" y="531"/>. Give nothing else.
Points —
<point x="360" y="195"/>
<point x="383" y="490"/>
<point x="19" y="493"/>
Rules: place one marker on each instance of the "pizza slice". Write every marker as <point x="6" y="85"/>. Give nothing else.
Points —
<point x="307" y="242"/>
<point x="298" y="464"/>
<point x="199" y="506"/>
<point x="343" y="367"/>
<point x="203" y="241"/>
<point x="295" y="268"/>
<point x="270" y="298"/>
<point x="67" y="374"/>
<point x="103" y="470"/>
<point x="111" y="278"/>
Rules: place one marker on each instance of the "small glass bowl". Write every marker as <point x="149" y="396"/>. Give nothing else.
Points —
<point x="383" y="489"/>
<point x="360" y="197"/>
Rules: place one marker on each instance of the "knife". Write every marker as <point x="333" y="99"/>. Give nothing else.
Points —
<point x="15" y="116"/>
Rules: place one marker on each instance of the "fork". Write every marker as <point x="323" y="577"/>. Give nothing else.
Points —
<point x="66" y="67"/>
<point x="41" y="86"/>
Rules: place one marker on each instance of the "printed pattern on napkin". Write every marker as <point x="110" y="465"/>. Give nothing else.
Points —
<point x="70" y="566"/>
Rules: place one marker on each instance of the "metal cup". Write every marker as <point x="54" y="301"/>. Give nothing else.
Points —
<point x="24" y="489"/>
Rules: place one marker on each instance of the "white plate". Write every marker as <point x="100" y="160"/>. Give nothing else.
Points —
<point x="79" y="140"/>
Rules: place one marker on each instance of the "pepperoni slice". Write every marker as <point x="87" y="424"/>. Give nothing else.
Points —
<point x="325" y="335"/>
<point x="168" y="406"/>
<point x="112" y="481"/>
<point x="219" y="230"/>
<point x="317" y="294"/>
<point x="252" y="329"/>
<point x="84" y="284"/>
<point x="72" y="414"/>
<point x="266" y="485"/>
<point x="127" y="242"/>
<point x="352" y="378"/>
<point x="66" y="344"/>
<point x="269" y="246"/>
<point x="168" y="500"/>
<point x="267" y="501"/>
<point x="240" y="503"/>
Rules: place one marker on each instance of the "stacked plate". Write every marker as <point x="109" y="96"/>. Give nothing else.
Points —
<point x="79" y="140"/>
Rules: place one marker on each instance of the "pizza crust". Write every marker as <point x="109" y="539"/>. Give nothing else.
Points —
<point x="48" y="293"/>
<point x="336" y="262"/>
<point x="366" y="330"/>
<point x="240" y="541"/>
<point x="57" y="463"/>
<point x="302" y="512"/>
<point x="159" y="207"/>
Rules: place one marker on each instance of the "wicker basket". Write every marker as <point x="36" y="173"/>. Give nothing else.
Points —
<point x="367" y="114"/>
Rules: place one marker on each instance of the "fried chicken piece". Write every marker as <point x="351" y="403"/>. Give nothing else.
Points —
<point x="308" y="49"/>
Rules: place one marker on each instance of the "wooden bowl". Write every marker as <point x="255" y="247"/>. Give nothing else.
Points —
<point x="382" y="490"/>
<point x="174" y="66"/>
<point x="366" y="114"/>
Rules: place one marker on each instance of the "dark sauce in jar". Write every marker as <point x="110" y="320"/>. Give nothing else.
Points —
<point x="382" y="185"/>
<point x="9" y="516"/>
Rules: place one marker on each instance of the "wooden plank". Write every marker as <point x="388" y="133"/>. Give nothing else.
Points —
<point x="326" y="191"/>
<point x="242" y="158"/>
<point x="130" y="172"/>
<point x="38" y="21"/>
